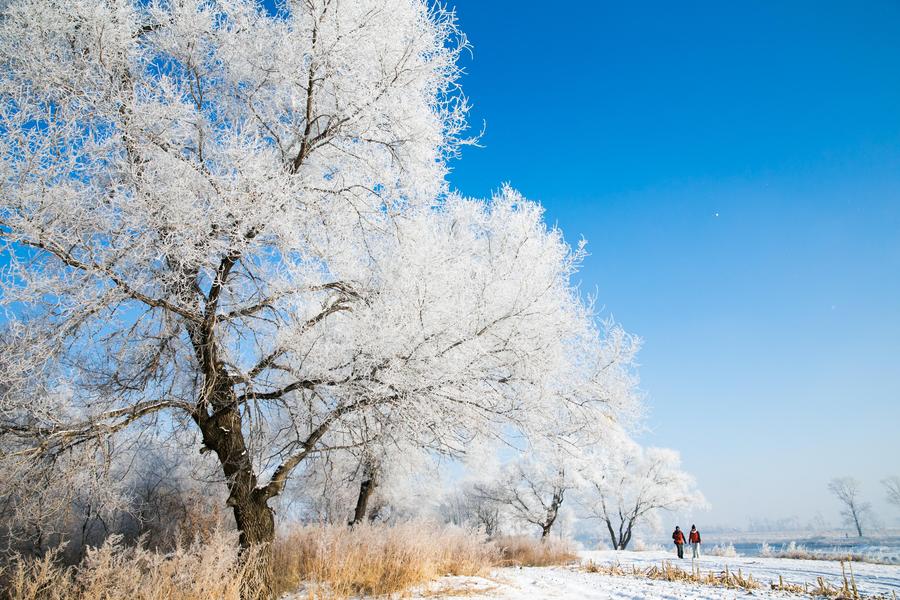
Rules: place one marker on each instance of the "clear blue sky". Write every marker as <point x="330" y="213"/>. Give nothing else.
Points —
<point x="772" y="331"/>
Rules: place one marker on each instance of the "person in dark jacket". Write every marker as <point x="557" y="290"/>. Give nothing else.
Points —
<point x="694" y="540"/>
<point x="678" y="538"/>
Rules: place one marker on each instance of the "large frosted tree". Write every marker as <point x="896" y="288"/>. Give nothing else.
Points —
<point x="236" y="223"/>
<point x="183" y="180"/>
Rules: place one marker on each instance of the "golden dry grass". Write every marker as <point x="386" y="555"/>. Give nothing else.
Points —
<point x="529" y="552"/>
<point x="327" y="561"/>
<point x="340" y="562"/>
<point x="114" y="572"/>
<point x="332" y="562"/>
<point x="323" y="561"/>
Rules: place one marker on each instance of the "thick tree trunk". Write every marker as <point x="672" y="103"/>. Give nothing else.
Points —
<point x="218" y="416"/>
<point x="222" y="433"/>
<point x="256" y="524"/>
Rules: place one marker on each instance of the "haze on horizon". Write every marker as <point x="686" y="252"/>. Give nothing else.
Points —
<point x="735" y="171"/>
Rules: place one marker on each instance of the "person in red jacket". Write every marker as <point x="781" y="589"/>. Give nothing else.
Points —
<point x="694" y="539"/>
<point x="678" y="538"/>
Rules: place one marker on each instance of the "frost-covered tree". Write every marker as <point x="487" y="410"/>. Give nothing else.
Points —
<point x="531" y="491"/>
<point x="394" y="479"/>
<point x="532" y="488"/>
<point x="465" y="503"/>
<point x="223" y="220"/>
<point x="892" y="488"/>
<point x="468" y="506"/>
<point x="381" y="479"/>
<point x="627" y="486"/>
<point x="188" y="189"/>
<point x="143" y="486"/>
<point x="854" y="510"/>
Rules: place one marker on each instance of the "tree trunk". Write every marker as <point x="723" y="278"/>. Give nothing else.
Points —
<point x="222" y="434"/>
<point x="552" y="512"/>
<point x="545" y="529"/>
<point x="366" y="488"/>
<point x="612" y="534"/>
<point x="856" y="522"/>
<point x="623" y="542"/>
<point x="625" y="539"/>
<point x="255" y="521"/>
<point x="218" y="416"/>
<point x="256" y="524"/>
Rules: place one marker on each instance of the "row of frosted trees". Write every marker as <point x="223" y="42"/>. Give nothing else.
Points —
<point x="610" y="489"/>
<point x="227" y="231"/>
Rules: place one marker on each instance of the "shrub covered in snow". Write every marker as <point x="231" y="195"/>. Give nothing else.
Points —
<point x="876" y="554"/>
<point x="726" y="550"/>
<point x="642" y="546"/>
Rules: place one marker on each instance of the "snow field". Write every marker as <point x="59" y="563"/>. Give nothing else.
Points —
<point x="568" y="583"/>
<point x="571" y="583"/>
<point x="870" y="578"/>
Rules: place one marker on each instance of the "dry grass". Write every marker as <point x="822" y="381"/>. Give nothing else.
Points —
<point x="328" y="561"/>
<point x="315" y="562"/>
<point x="669" y="572"/>
<point x="209" y="569"/>
<point x="457" y="591"/>
<point x="339" y="562"/>
<point x="372" y="559"/>
<point x="529" y="552"/>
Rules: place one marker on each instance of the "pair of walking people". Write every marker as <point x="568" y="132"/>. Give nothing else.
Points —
<point x="693" y="538"/>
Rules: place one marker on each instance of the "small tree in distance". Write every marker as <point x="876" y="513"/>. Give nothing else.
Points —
<point x="846" y="489"/>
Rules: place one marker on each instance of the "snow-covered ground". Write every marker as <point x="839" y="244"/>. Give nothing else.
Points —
<point x="561" y="583"/>
<point x="870" y="578"/>
<point x="571" y="583"/>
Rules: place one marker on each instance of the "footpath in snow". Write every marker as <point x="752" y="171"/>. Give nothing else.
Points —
<point x="571" y="583"/>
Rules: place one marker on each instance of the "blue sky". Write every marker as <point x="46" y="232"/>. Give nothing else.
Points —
<point x="736" y="171"/>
